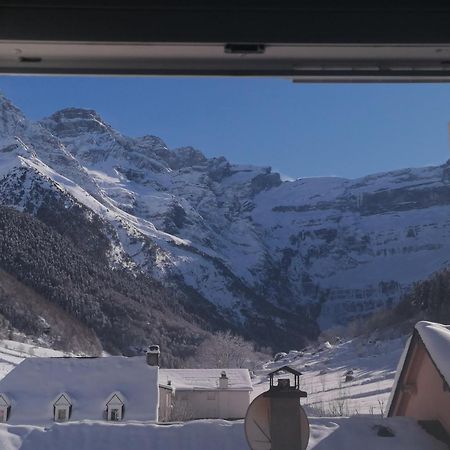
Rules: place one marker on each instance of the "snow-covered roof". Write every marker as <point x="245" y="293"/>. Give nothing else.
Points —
<point x="436" y="338"/>
<point x="90" y="382"/>
<point x="205" y="379"/>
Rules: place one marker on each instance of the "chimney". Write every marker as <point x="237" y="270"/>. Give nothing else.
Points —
<point x="153" y="354"/>
<point x="223" y="380"/>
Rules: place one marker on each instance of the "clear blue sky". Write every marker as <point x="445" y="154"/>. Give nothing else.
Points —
<point x="300" y="130"/>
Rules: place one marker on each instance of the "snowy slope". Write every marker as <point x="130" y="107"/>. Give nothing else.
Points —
<point x="13" y="353"/>
<point x="285" y="256"/>
<point x="371" y="363"/>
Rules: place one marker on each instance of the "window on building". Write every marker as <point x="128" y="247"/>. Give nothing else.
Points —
<point x="61" y="415"/>
<point x="212" y="396"/>
<point x="115" y="414"/>
<point x="115" y="407"/>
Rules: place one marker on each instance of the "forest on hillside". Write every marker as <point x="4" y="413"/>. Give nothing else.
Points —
<point x="126" y="311"/>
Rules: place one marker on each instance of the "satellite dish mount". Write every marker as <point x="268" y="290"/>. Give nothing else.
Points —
<point x="275" y="420"/>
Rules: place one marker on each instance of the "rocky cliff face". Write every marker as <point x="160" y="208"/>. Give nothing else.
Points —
<point x="273" y="259"/>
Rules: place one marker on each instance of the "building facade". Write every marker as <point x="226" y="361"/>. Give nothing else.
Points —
<point x="207" y="393"/>
<point x="422" y="386"/>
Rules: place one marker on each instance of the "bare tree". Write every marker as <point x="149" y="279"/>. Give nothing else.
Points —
<point x="225" y="349"/>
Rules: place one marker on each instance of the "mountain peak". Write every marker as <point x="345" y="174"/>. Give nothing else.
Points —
<point x="70" y="122"/>
<point x="154" y="142"/>
<point x="11" y="117"/>
<point x="187" y="157"/>
<point x="76" y="113"/>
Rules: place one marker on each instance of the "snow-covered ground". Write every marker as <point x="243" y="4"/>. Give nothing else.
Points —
<point x="371" y="364"/>
<point x="324" y="370"/>
<point x="326" y="434"/>
<point x="13" y="353"/>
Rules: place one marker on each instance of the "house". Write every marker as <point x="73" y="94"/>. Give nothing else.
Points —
<point x="206" y="393"/>
<point x="43" y="390"/>
<point x="116" y="388"/>
<point x="422" y="385"/>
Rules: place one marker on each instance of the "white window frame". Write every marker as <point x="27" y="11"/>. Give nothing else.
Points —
<point x="115" y="403"/>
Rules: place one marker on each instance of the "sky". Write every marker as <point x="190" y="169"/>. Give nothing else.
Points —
<point x="300" y="130"/>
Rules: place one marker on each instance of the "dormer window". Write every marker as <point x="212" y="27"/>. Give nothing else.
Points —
<point x="5" y="408"/>
<point x="115" y="407"/>
<point x="62" y="408"/>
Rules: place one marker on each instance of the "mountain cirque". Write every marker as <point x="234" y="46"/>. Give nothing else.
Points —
<point x="275" y="261"/>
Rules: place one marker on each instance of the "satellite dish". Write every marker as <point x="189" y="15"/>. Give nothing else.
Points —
<point x="258" y="425"/>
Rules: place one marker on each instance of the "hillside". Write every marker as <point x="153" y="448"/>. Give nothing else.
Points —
<point x="22" y="310"/>
<point x="73" y="298"/>
<point x="430" y="298"/>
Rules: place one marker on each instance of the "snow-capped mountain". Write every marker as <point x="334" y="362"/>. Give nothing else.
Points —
<point x="267" y="256"/>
